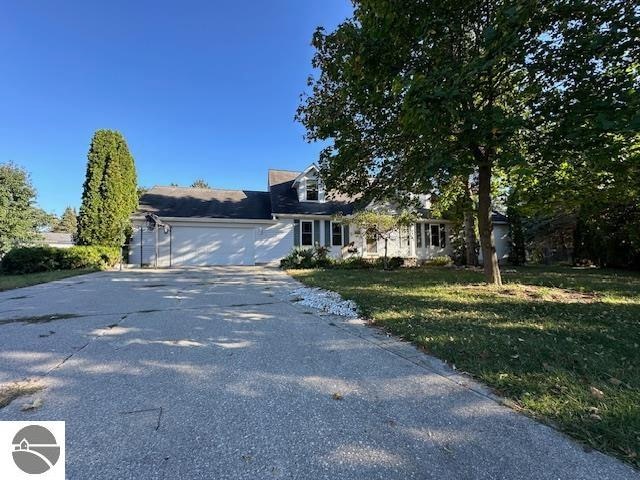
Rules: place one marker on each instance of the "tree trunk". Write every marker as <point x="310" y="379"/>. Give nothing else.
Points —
<point x="489" y="257"/>
<point x="386" y="261"/>
<point x="470" y="241"/>
<point x="470" y="238"/>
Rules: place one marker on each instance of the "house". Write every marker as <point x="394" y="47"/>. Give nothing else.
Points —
<point x="56" y="239"/>
<point x="176" y="226"/>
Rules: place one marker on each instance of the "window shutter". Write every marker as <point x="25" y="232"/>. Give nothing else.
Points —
<point x="316" y="232"/>
<point x="345" y="235"/>
<point x="327" y="233"/>
<point x="296" y="233"/>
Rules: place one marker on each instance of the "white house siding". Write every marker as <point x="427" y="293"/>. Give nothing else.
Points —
<point x="502" y="241"/>
<point x="402" y="244"/>
<point x="274" y="242"/>
<point x="428" y="250"/>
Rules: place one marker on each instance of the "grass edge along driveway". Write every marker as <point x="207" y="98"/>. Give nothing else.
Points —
<point x="562" y="343"/>
<point x="10" y="282"/>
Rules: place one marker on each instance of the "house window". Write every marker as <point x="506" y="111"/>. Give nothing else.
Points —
<point x="372" y="244"/>
<point x="443" y="236"/>
<point x="419" y="235"/>
<point x="306" y="233"/>
<point x="336" y="234"/>
<point x="312" y="189"/>
<point x="435" y="235"/>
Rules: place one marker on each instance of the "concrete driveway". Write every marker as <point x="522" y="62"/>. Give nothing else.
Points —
<point x="215" y="374"/>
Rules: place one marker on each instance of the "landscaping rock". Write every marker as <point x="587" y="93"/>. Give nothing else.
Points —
<point x="324" y="300"/>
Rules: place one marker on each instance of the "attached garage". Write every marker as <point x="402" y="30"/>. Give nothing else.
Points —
<point x="202" y="246"/>
<point x="197" y="227"/>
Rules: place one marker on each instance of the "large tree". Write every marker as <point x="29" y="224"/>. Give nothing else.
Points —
<point x="409" y="90"/>
<point x="68" y="222"/>
<point x="20" y="219"/>
<point x="110" y="191"/>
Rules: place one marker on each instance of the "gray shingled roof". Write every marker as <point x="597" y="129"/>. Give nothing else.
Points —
<point x="284" y="198"/>
<point x="61" y="238"/>
<point x="205" y="203"/>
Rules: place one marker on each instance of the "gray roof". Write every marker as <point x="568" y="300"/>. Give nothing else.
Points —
<point x="205" y="203"/>
<point x="60" y="238"/>
<point x="281" y="198"/>
<point x="284" y="198"/>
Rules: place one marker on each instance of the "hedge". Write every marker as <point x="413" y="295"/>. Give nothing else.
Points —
<point x="44" y="259"/>
<point x="317" y="257"/>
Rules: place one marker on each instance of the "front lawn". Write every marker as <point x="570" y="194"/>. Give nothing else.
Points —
<point x="563" y="343"/>
<point x="9" y="282"/>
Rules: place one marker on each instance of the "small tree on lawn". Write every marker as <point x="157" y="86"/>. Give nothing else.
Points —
<point x="380" y="224"/>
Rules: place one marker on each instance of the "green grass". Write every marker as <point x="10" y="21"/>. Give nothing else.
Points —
<point x="562" y="343"/>
<point x="9" y="282"/>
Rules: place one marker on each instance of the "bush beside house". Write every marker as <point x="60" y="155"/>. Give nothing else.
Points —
<point x="317" y="257"/>
<point x="44" y="259"/>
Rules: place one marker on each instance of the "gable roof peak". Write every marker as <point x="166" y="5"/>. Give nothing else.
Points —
<point x="313" y="166"/>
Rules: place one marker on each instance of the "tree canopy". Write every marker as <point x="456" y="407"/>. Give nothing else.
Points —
<point x="379" y="224"/>
<point x="408" y="91"/>
<point x="68" y="222"/>
<point x="200" y="183"/>
<point x="20" y="219"/>
<point x="110" y="191"/>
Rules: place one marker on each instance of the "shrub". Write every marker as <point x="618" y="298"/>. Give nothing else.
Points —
<point x="88" y="257"/>
<point x="395" y="262"/>
<point x="43" y="259"/>
<point x="317" y="257"/>
<point x="29" y="260"/>
<point x="299" y="258"/>
<point x="441" y="261"/>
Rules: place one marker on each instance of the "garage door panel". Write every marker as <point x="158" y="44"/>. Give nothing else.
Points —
<point x="202" y="246"/>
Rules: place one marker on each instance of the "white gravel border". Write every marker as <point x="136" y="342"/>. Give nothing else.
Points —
<point x="325" y="300"/>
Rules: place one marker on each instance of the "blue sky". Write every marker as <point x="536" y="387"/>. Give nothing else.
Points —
<point x="199" y="88"/>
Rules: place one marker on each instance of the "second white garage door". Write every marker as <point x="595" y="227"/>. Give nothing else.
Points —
<point x="202" y="246"/>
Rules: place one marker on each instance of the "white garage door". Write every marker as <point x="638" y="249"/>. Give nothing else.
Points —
<point x="201" y="246"/>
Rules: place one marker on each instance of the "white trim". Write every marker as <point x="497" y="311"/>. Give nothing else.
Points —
<point x="306" y="189"/>
<point x="331" y="224"/>
<point x="313" y="236"/>
<point x="303" y="216"/>
<point x="207" y="220"/>
<point x="365" y="247"/>
<point x="313" y="166"/>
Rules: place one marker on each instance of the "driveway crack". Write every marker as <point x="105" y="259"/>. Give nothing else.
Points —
<point x="160" y="411"/>
<point x="78" y="350"/>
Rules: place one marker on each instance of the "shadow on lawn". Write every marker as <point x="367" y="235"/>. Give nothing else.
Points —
<point x="574" y="364"/>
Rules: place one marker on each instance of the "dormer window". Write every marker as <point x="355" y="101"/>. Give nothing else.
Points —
<point x="312" y="189"/>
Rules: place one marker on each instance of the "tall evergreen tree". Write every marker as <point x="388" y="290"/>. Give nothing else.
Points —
<point x="110" y="191"/>
<point x="68" y="222"/>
